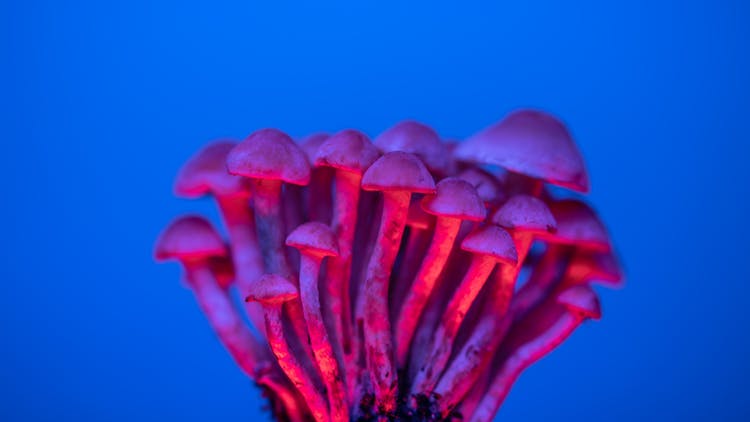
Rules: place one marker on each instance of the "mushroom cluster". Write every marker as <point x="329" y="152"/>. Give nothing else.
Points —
<point x="400" y="279"/>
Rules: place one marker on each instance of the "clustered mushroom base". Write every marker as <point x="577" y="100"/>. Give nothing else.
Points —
<point x="405" y="279"/>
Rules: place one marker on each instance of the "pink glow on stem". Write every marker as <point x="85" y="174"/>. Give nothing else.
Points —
<point x="386" y="292"/>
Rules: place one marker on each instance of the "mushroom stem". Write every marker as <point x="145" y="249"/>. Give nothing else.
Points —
<point x="446" y="229"/>
<point x="469" y="404"/>
<point x="545" y="275"/>
<point x="477" y="352"/>
<point x="417" y="242"/>
<point x="444" y="336"/>
<point x="321" y="346"/>
<point x="248" y="261"/>
<point x="291" y="366"/>
<point x="287" y="398"/>
<point x="319" y="194"/>
<point x="377" y="327"/>
<point x="224" y="319"/>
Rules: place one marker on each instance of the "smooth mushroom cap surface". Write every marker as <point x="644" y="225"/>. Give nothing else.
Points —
<point x="578" y="224"/>
<point x="455" y="198"/>
<point x="527" y="213"/>
<point x="314" y="238"/>
<point x="487" y="185"/>
<point x="493" y="241"/>
<point x="206" y="172"/>
<point x="310" y="145"/>
<point x="189" y="237"/>
<point x="533" y="143"/>
<point x="581" y="300"/>
<point x="349" y="150"/>
<point x="591" y="265"/>
<point x="272" y="289"/>
<point x="270" y="154"/>
<point x="398" y="171"/>
<point x="418" y="139"/>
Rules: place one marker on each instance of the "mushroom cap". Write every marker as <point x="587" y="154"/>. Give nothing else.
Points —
<point x="314" y="238"/>
<point x="270" y="154"/>
<point x="525" y="213"/>
<point x="594" y="266"/>
<point x="493" y="241"/>
<point x="418" y="139"/>
<point x="272" y="289"/>
<point x="189" y="238"/>
<point x="349" y="150"/>
<point x="206" y="172"/>
<point x="578" y="225"/>
<point x="455" y="198"/>
<point x="533" y="143"/>
<point x="487" y="185"/>
<point x="417" y="218"/>
<point x="581" y="300"/>
<point x="311" y="143"/>
<point x="398" y="171"/>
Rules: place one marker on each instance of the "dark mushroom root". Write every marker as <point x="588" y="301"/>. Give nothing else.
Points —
<point x="400" y="279"/>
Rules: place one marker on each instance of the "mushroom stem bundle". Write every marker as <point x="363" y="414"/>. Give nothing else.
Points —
<point x="383" y="278"/>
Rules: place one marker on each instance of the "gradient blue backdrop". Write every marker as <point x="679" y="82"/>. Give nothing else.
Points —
<point x="102" y="102"/>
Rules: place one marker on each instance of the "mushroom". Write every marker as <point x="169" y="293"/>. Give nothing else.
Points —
<point x="206" y="173"/>
<point x="273" y="291"/>
<point x="455" y="201"/>
<point x="315" y="241"/>
<point x="487" y="185"/>
<point x="397" y="175"/>
<point x="532" y="143"/>
<point x="418" y="139"/>
<point x="349" y="153"/>
<point x="525" y="217"/>
<point x="318" y="196"/>
<point x="537" y="334"/>
<point x="489" y="245"/>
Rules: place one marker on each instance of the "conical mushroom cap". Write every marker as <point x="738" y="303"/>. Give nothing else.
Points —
<point x="581" y="300"/>
<point x="455" y="198"/>
<point x="206" y="172"/>
<point x="578" y="225"/>
<point x="418" y="139"/>
<point x="349" y="150"/>
<point x="272" y="289"/>
<point x="532" y="143"/>
<point x="189" y="238"/>
<point x="314" y="238"/>
<point x="525" y="213"/>
<point x="398" y="171"/>
<point x="270" y="154"/>
<point x="493" y="241"/>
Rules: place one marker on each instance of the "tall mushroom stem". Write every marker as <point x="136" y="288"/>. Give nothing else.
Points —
<point x="544" y="276"/>
<point x="374" y="316"/>
<point x="432" y="266"/>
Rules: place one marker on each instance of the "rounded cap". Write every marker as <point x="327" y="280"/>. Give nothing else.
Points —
<point x="398" y="171"/>
<point x="269" y="154"/>
<point x="206" y="172"/>
<point x="272" y="289"/>
<point x="189" y="238"/>
<point x="581" y="300"/>
<point x="493" y="241"/>
<point x="591" y="266"/>
<point x="455" y="198"/>
<point x="314" y="238"/>
<point x="349" y="150"/>
<point x="578" y="225"/>
<point x="418" y="139"/>
<point x="311" y="143"/>
<point x="525" y="213"/>
<point x="533" y="143"/>
<point x="488" y="186"/>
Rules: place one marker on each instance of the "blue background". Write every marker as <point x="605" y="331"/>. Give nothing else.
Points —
<point x="102" y="102"/>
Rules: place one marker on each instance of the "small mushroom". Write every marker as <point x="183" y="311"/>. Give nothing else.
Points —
<point x="532" y="143"/>
<point x="397" y="175"/>
<point x="273" y="291"/>
<point x="315" y="241"/>
<point x="418" y="139"/>
<point x="455" y="201"/>
<point x="318" y="196"/>
<point x="536" y="335"/>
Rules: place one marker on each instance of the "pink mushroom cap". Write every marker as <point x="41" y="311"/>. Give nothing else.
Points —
<point x="525" y="213"/>
<point x="493" y="241"/>
<point x="270" y="154"/>
<point x="310" y="145"/>
<point x="532" y="143"/>
<point x="578" y="225"/>
<point x="349" y="150"/>
<point x="398" y="171"/>
<point x="418" y="139"/>
<point x="272" y="289"/>
<point x="582" y="300"/>
<point x="455" y="198"/>
<point x="314" y="238"/>
<point x="189" y="238"/>
<point x="206" y="172"/>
